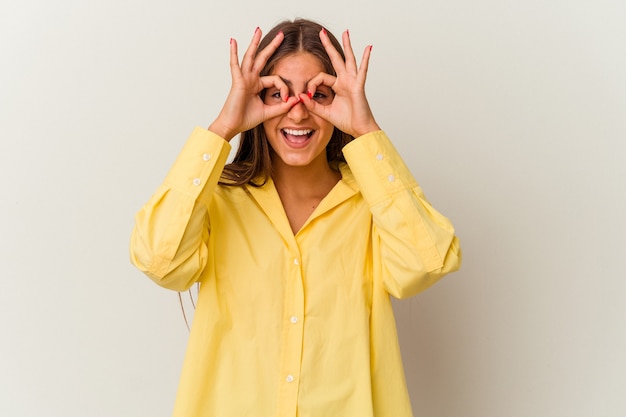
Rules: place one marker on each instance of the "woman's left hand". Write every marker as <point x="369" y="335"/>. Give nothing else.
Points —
<point x="349" y="110"/>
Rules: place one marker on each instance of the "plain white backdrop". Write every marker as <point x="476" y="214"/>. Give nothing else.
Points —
<point x="511" y="115"/>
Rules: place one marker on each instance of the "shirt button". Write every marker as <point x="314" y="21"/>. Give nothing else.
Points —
<point x="289" y="378"/>
<point x="296" y="261"/>
<point x="206" y="156"/>
<point x="293" y="319"/>
<point x="391" y="178"/>
<point x="196" y="181"/>
<point x="380" y="156"/>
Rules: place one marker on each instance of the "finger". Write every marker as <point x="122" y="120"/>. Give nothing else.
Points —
<point x="335" y="57"/>
<point x="280" y="109"/>
<point x="321" y="78"/>
<point x="266" y="53"/>
<point x="315" y="107"/>
<point x="248" y="58"/>
<point x="365" y="60"/>
<point x="309" y="103"/>
<point x="275" y="81"/>
<point x="234" y="59"/>
<point x="349" y="53"/>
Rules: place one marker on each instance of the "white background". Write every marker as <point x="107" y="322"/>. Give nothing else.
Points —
<point x="511" y="114"/>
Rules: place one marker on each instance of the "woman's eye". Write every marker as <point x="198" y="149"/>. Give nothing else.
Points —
<point x="321" y="97"/>
<point x="272" y="97"/>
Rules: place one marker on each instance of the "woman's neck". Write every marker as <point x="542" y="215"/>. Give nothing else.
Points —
<point x="313" y="180"/>
<point x="301" y="189"/>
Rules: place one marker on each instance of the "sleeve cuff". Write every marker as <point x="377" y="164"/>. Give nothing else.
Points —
<point x="200" y="161"/>
<point x="377" y="167"/>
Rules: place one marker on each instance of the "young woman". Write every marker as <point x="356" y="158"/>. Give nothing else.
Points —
<point x="297" y="244"/>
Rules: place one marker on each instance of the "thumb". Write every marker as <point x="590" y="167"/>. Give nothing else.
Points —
<point x="311" y="105"/>
<point x="282" y="108"/>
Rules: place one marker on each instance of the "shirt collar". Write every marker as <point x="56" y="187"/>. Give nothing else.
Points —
<point x="267" y="198"/>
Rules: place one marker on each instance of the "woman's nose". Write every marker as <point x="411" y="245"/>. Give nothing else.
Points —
<point x="298" y="112"/>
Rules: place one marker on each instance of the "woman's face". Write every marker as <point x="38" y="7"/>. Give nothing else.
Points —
<point x="298" y="138"/>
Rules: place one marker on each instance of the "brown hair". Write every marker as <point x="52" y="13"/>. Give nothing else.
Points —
<point x="252" y="163"/>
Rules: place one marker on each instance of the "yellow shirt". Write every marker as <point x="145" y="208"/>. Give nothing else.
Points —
<point x="293" y="325"/>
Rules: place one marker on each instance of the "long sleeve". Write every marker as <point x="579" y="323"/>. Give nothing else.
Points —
<point x="415" y="245"/>
<point x="169" y="240"/>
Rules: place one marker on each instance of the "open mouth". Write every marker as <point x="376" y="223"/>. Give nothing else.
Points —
<point x="297" y="136"/>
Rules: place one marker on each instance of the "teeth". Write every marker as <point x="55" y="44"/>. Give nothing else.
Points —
<point x="297" y="132"/>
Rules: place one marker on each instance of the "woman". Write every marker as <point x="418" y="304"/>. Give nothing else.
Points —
<point x="297" y="244"/>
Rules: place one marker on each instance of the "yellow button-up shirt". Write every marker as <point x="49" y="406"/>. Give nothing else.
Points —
<point x="293" y="325"/>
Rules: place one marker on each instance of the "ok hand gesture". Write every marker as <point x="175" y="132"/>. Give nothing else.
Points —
<point x="244" y="108"/>
<point x="349" y="110"/>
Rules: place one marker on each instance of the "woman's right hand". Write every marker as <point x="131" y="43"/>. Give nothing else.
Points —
<point x="244" y="108"/>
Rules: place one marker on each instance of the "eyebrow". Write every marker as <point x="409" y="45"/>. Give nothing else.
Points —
<point x="290" y="84"/>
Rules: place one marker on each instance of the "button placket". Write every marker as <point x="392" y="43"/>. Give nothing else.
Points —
<point x="292" y="333"/>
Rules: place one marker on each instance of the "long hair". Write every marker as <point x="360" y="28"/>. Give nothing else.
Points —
<point x="252" y="163"/>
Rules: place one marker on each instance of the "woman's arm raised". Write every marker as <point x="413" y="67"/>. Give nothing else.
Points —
<point x="170" y="238"/>
<point x="171" y="233"/>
